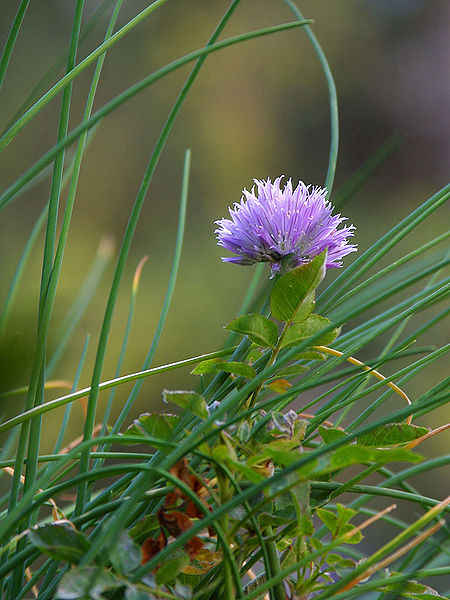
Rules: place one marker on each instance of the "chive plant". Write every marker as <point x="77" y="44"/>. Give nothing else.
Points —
<point x="241" y="488"/>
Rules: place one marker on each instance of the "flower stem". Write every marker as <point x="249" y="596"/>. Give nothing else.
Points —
<point x="228" y="578"/>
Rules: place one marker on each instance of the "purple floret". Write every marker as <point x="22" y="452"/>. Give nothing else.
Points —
<point x="284" y="227"/>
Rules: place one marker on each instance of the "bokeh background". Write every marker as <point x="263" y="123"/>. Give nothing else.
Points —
<point x="257" y="110"/>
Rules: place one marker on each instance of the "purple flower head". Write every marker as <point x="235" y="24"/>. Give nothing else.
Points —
<point x="285" y="227"/>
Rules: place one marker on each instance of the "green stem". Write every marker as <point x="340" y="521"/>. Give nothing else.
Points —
<point x="228" y="580"/>
<point x="47" y="293"/>
<point x="81" y="302"/>
<point x="277" y="592"/>
<point x="12" y="292"/>
<point x="272" y="359"/>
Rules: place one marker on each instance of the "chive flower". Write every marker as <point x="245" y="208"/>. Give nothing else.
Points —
<point x="284" y="226"/>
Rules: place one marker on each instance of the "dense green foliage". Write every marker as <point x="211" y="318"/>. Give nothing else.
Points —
<point x="236" y="492"/>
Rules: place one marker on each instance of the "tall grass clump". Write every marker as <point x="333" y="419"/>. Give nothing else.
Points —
<point x="269" y="476"/>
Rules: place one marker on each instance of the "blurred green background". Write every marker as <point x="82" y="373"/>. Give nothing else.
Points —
<point x="257" y="110"/>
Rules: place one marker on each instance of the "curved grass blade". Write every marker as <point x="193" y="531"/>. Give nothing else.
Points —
<point x="58" y="402"/>
<point x="56" y="266"/>
<point x="332" y="99"/>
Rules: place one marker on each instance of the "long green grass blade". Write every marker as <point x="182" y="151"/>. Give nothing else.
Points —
<point x="12" y="37"/>
<point x="37" y="367"/>
<point x="123" y="348"/>
<point x="36" y="388"/>
<point x="169" y="294"/>
<point x="58" y="402"/>
<point x="37" y="228"/>
<point x="80" y="304"/>
<point x="76" y="379"/>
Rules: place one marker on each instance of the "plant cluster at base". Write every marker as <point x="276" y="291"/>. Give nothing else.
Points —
<point x="251" y="506"/>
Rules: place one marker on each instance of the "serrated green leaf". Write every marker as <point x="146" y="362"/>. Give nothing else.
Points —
<point x="296" y="287"/>
<point x="305" y="525"/>
<point x="412" y="589"/>
<point x="286" y="458"/>
<point x="238" y="368"/>
<point x="331" y="434"/>
<point x="281" y="451"/>
<point x="60" y="541"/>
<point x="358" y="455"/>
<point x="87" y="582"/>
<point x="222" y="452"/>
<point x="306" y="307"/>
<point x="250" y="474"/>
<point x="292" y="371"/>
<point x="315" y="544"/>
<point x="191" y="401"/>
<point x="206" y="367"/>
<point x="339" y="562"/>
<point x="259" y="329"/>
<point x="278" y="385"/>
<point x="307" y="328"/>
<point x="344" y="513"/>
<point x="391" y="434"/>
<point x="328" y="518"/>
<point x="155" y="425"/>
<point x="310" y="355"/>
<point x="233" y="367"/>
<point x="168" y="571"/>
<point x="355" y="538"/>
